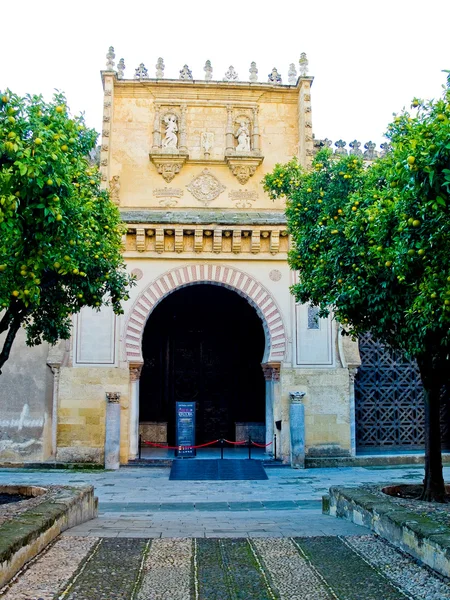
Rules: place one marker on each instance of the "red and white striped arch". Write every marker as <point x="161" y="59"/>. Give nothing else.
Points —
<point x="216" y="274"/>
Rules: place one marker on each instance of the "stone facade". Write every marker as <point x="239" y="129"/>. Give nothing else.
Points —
<point x="184" y="160"/>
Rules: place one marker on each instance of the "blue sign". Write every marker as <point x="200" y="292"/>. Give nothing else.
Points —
<point x="185" y="429"/>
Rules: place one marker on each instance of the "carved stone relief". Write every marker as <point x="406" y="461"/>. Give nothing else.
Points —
<point x="205" y="187"/>
<point x="243" y="172"/>
<point x="168" y="169"/>
<point x="168" y="196"/>
<point x="207" y="141"/>
<point x="275" y="275"/>
<point x="114" y="189"/>
<point x="243" y="198"/>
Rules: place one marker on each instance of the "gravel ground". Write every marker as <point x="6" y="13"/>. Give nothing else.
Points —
<point x="310" y="568"/>
<point x="418" y="581"/>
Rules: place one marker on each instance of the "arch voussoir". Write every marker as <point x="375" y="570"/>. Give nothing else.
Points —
<point x="224" y="275"/>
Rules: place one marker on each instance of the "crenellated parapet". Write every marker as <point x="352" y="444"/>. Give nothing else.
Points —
<point x="230" y="76"/>
<point x="366" y="151"/>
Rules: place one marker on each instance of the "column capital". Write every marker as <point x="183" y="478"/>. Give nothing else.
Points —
<point x="113" y="397"/>
<point x="135" y="371"/>
<point x="271" y="371"/>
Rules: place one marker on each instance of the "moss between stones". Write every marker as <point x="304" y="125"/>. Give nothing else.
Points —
<point x="424" y="526"/>
<point x="29" y="525"/>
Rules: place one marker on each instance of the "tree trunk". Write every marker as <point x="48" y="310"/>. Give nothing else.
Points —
<point x="433" y="483"/>
<point x="10" y="336"/>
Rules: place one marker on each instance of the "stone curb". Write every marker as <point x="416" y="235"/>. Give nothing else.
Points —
<point x="27" y="534"/>
<point x="418" y="535"/>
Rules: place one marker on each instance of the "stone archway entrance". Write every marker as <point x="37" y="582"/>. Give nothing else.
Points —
<point x="256" y="295"/>
<point x="205" y="344"/>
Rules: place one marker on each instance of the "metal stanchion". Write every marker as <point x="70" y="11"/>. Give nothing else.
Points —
<point x="221" y="448"/>
<point x="140" y="446"/>
<point x="275" y="446"/>
<point x="249" y="447"/>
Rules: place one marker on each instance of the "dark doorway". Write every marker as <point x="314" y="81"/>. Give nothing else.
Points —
<point x="203" y="343"/>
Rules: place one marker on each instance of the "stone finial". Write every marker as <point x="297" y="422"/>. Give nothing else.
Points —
<point x="185" y="73"/>
<point x="159" y="68"/>
<point x="208" y="70"/>
<point x="253" y="72"/>
<point x="231" y="74"/>
<point x="385" y="148"/>
<point x="355" y="148"/>
<point x="141" y="72"/>
<point x="274" y="77"/>
<point x="120" y="68"/>
<point x="110" y="59"/>
<point x="303" y="62"/>
<point x="327" y="143"/>
<point x="292" y="74"/>
<point x="340" y="147"/>
<point x="370" y="153"/>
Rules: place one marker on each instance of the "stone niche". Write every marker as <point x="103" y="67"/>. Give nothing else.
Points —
<point x="257" y="431"/>
<point x="152" y="431"/>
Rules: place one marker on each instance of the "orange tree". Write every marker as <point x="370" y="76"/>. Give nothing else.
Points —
<point x="60" y="235"/>
<point x="373" y="246"/>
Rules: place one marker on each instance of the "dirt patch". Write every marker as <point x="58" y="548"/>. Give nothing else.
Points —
<point x="10" y="498"/>
<point x="410" y="492"/>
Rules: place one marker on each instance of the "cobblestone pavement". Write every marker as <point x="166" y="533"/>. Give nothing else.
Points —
<point x="361" y="567"/>
<point x="157" y="539"/>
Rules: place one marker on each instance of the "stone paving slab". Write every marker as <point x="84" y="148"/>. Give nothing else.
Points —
<point x="226" y="568"/>
<point x="238" y="524"/>
<point x="149" y="485"/>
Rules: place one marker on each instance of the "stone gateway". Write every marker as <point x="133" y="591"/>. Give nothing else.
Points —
<point x="211" y="319"/>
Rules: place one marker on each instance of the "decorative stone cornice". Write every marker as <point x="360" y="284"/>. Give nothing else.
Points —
<point x="206" y="238"/>
<point x="200" y="216"/>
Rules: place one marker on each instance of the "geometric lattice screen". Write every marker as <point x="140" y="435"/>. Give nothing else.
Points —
<point x="388" y="401"/>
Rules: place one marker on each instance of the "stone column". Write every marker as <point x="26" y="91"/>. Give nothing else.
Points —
<point x="351" y="396"/>
<point x="271" y="372"/>
<point x="255" y="133"/>
<point x="157" y="128"/>
<point x="297" y="430"/>
<point x="229" y="131"/>
<point x="183" y="129"/>
<point x="56" y="370"/>
<point x="135" y="375"/>
<point x="112" y="434"/>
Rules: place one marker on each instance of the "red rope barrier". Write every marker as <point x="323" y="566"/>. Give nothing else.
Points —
<point x="166" y="447"/>
<point x="261" y="445"/>
<point x="155" y="445"/>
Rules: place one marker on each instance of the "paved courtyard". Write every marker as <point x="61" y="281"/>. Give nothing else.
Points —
<point x="214" y="540"/>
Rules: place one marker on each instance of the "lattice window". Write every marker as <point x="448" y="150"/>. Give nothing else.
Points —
<point x="388" y="400"/>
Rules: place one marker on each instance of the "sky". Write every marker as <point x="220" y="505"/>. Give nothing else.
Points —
<point x="368" y="59"/>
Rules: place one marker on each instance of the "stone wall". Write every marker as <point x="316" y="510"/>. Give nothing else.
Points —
<point x="82" y="407"/>
<point x="25" y="403"/>
<point x="327" y="410"/>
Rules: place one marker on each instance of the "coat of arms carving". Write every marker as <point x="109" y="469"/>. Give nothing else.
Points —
<point x="205" y="187"/>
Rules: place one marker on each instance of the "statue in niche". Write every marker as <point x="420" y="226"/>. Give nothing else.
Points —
<point x="171" y="138"/>
<point x="243" y="137"/>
